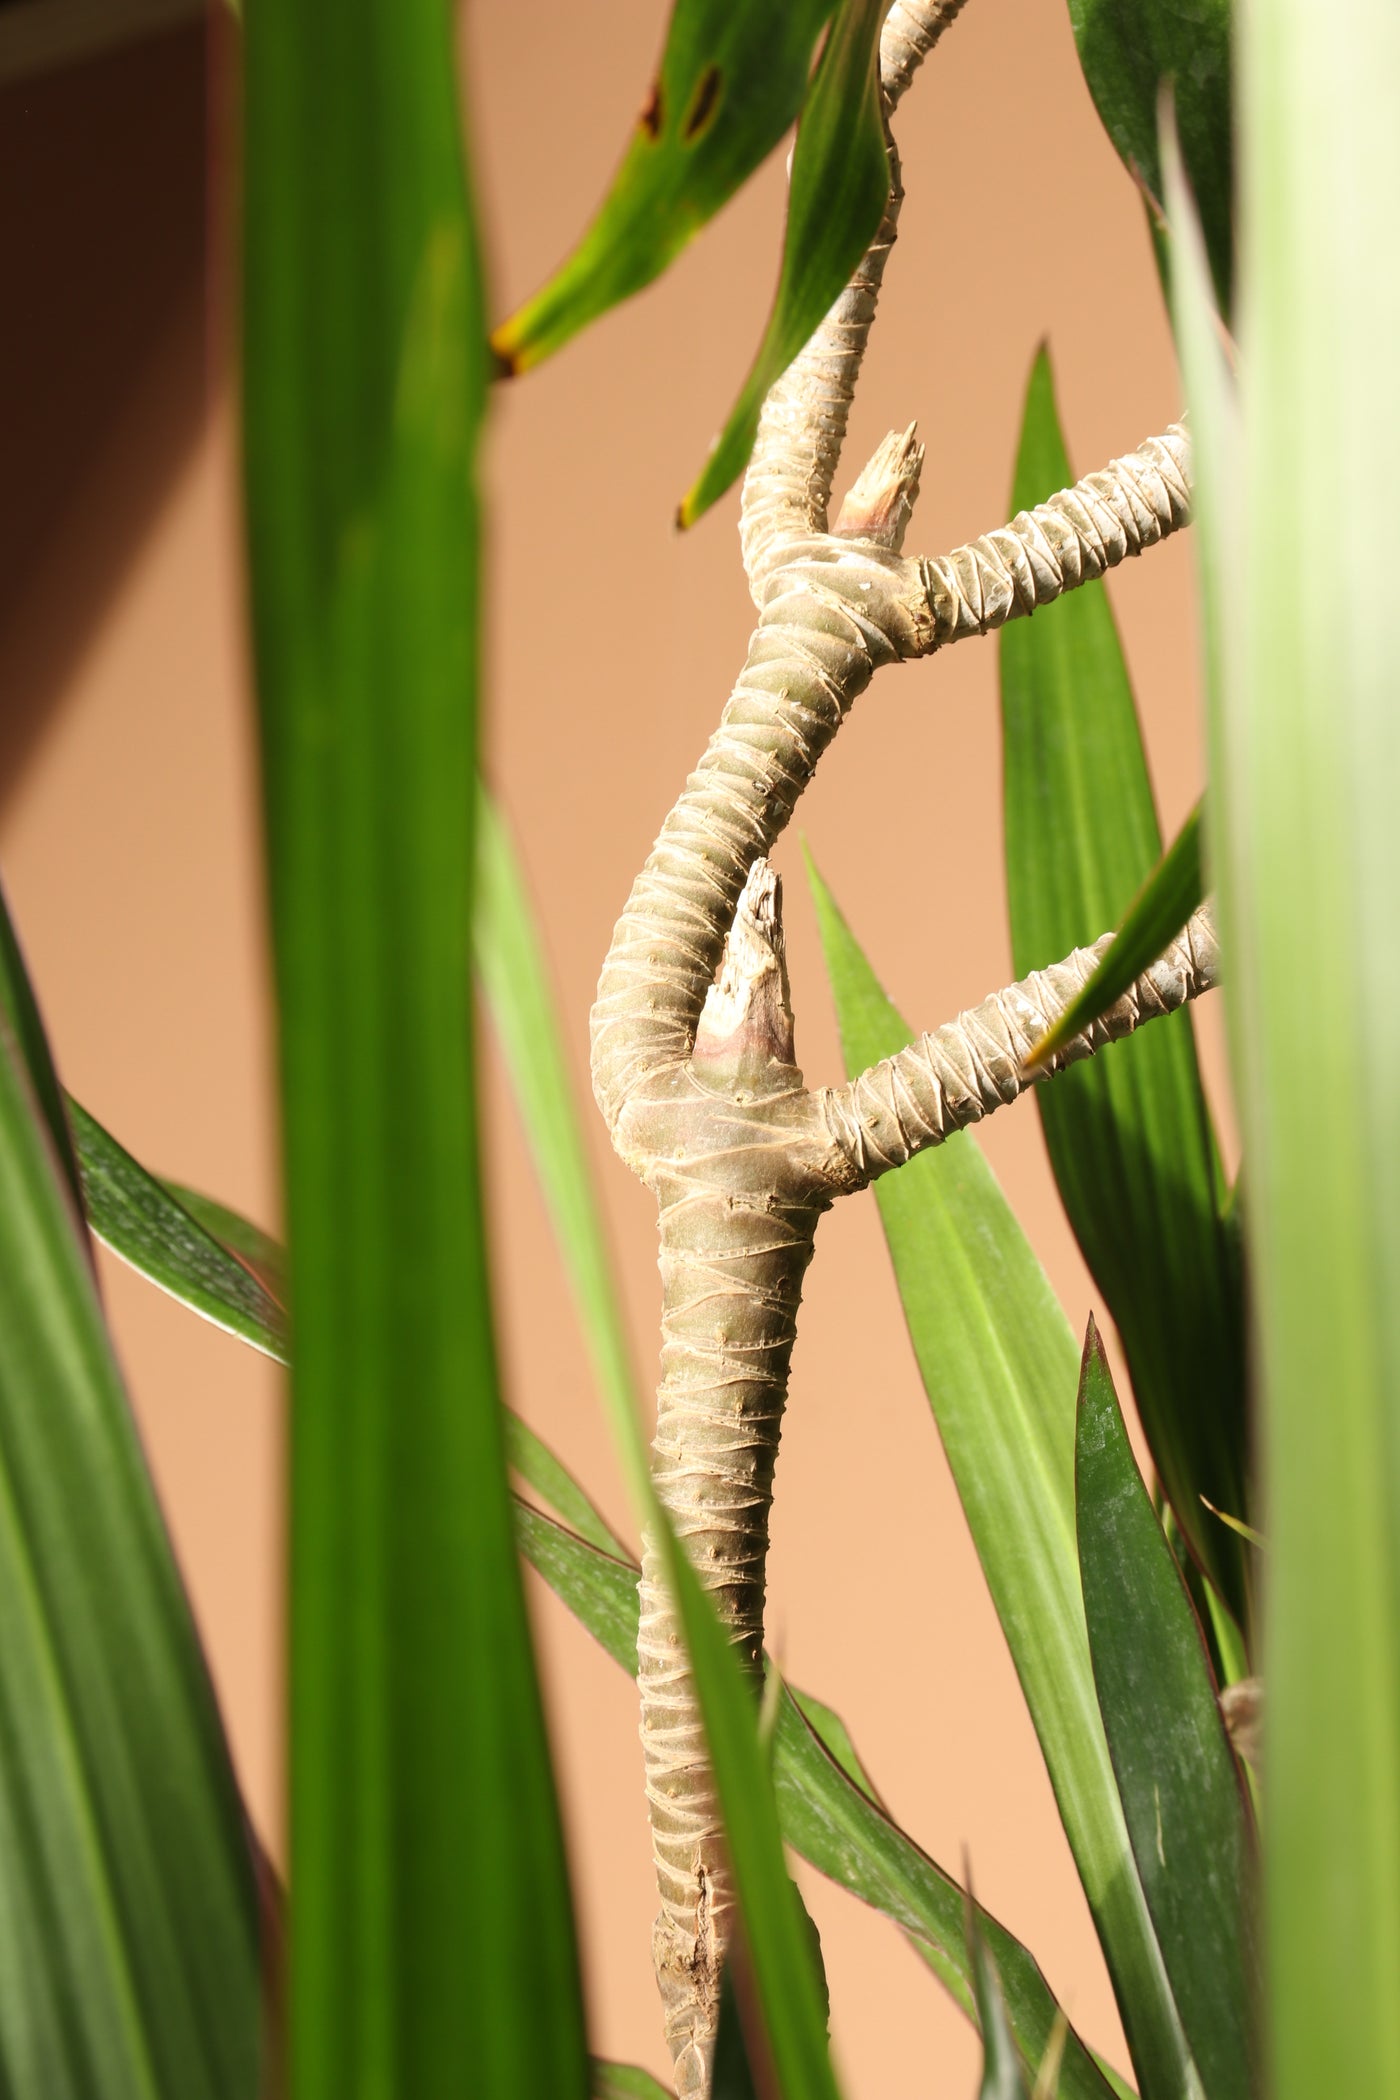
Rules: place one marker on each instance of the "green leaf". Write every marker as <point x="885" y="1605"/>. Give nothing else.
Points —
<point x="1003" y="2074"/>
<point x="1128" y="1131"/>
<point x="431" y="1921"/>
<point x="836" y="199"/>
<point x="999" y="1366"/>
<point x="1127" y="48"/>
<point x="624" y="2082"/>
<point x="21" y="1012"/>
<point x="1177" y="1776"/>
<point x="829" y="1812"/>
<point x="732" y="78"/>
<point x="139" y="1219"/>
<point x="128" y="1919"/>
<point x="515" y="979"/>
<point x="1151" y="923"/>
<point x="732" y="2077"/>
<point x="255" y="1248"/>
<point x="1305" y="754"/>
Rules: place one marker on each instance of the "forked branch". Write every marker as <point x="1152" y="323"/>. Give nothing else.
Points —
<point x="694" y="1065"/>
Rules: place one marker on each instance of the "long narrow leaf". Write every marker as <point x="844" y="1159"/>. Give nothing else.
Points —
<point x="1173" y="890"/>
<point x="731" y="80"/>
<point x="829" y="1812"/>
<point x="431" y="1919"/>
<point x="515" y="979"/>
<point x="1177" y="1776"/>
<point x="21" y="1011"/>
<point x="1128" y="1132"/>
<point x="999" y="1365"/>
<point x="128" y="1915"/>
<point x="1305" y="754"/>
<point x="837" y="195"/>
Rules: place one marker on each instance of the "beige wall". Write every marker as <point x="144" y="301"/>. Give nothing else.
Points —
<point x="128" y="837"/>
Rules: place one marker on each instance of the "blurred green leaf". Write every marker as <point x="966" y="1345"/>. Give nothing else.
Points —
<point x="999" y="1366"/>
<point x="139" y="1219"/>
<point x="836" y="199"/>
<point x="21" y="1012"/>
<point x="129" y="1958"/>
<point x="1003" y="2074"/>
<point x="1127" y="48"/>
<point x="732" y="78"/>
<point x="829" y="1811"/>
<point x="732" y="2077"/>
<point x="1151" y="923"/>
<point x="431" y="1919"/>
<point x="1177" y="1779"/>
<point x="1128" y="1132"/>
<point x="1305" y="854"/>
<point x="625" y="2082"/>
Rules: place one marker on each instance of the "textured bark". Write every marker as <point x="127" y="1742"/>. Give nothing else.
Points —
<point x="694" y="1066"/>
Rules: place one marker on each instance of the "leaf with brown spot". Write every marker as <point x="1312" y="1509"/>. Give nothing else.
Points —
<point x="732" y="79"/>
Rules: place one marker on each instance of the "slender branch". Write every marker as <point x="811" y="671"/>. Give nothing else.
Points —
<point x="976" y="1064"/>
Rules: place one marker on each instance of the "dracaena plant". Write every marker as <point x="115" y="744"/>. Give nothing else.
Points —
<point x="430" y="1939"/>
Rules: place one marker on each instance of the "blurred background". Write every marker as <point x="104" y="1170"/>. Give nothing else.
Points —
<point x="129" y="837"/>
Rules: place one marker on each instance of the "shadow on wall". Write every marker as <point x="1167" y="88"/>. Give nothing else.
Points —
<point x="104" y="373"/>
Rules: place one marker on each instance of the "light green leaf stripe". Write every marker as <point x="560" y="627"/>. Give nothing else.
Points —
<point x="1305" y="758"/>
<point x="1000" y="1368"/>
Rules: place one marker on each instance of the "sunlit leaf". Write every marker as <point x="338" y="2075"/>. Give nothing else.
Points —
<point x="1177" y="1778"/>
<point x="731" y="80"/>
<point x="837" y="196"/>
<point x="999" y="1365"/>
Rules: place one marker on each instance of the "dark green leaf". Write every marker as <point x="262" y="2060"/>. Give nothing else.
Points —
<point x="1127" y="48"/>
<point x="1151" y="923"/>
<point x="732" y="79"/>
<point x="733" y="2077"/>
<point x="139" y="1219"/>
<point x="1177" y="1776"/>
<point x="829" y="1813"/>
<point x="1128" y="1131"/>
<point x="998" y="1363"/>
<point x="837" y="196"/>
<point x="256" y="1248"/>
<point x="431" y="1921"/>
<point x="1003" y="2074"/>
<point x="128" y="1915"/>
